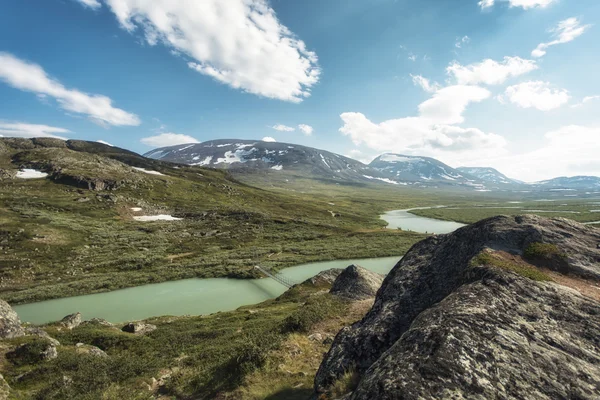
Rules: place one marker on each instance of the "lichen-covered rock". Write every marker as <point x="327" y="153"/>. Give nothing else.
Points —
<point x="138" y="328"/>
<point x="39" y="332"/>
<point x="71" y="321"/>
<point x="4" y="389"/>
<point x="10" y="325"/>
<point x="97" y="322"/>
<point x="357" y="283"/>
<point x="443" y="328"/>
<point x="32" y="352"/>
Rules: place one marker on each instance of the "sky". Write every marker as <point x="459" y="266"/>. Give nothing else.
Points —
<point x="509" y="84"/>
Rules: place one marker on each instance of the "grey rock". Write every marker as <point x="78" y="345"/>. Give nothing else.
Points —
<point x="357" y="283"/>
<point x="97" y="322"/>
<point x="34" y="331"/>
<point x="441" y="328"/>
<point x="325" y="278"/>
<point x="10" y="325"/>
<point x="138" y="328"/>
<point x="50" y="353"/>
<point x="4" y="388"/>
<point x="91" y="350"/>
<point x="71" y="321"/>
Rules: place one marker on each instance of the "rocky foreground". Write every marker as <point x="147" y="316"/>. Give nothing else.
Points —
<point x="494" y="310"/>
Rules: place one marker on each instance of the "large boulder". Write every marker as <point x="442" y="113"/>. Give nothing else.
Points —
<point x="10" y="325"/>
<point x="443" y="326"/>
<point x="357" y="283"/>
<point x="325" y="278"/>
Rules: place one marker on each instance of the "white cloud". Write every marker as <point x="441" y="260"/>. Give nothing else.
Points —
<point x="32" y="78"/>
<point x="425" y="83"/>
<point x="585" y="100"/>
<point x="577" y="147"/>
<point x="460" y="42"/>
<point x="268" y="139"/>
<point x="306" y="129"/>
<point x="24" y="130"/>
<point x="447" y="105"/>
<point x="412" y="57"/>
<point x="432" y="133"/>
<point x="94" y="4"/>
<point x="106" y="143"/>
<point x="240" y="43"/>
<point x="486" y="4"/>
<point x="490" y="72"/>
<point x="525" y="4"/>
<point x="566" y="31"/>
<point x="168" y="139"/>
<point x="283" y="128"/>
<point x="536" y="94"/>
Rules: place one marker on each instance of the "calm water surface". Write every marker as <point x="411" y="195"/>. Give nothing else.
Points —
<point x="189" y="296"/>
<point x="406" y="221"/>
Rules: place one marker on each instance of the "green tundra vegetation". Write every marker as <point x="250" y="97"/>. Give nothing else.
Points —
<point x="74" y="233"/>
<point x="256" y="352"/>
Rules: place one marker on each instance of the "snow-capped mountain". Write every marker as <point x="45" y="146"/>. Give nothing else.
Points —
<point x="236" y="154"/>
<point x="418" y="169"/>
<point x="488" y="175"/>
<point x="575" y="182"/>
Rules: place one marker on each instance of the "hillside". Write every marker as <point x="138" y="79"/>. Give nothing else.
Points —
<point x="488" y="175"/>
<point x="505" y="308"/>
<point x="250" y="155"/>
<point x="85" y="225"/>
<point x="403" y="168"/>
<point x="574" y="183"/>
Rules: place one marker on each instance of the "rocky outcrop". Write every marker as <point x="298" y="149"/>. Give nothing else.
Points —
<point x="357" y="283"/>
<point x="71" y="321"/>
<point x="39" y="332"/>
<point x="325" y="278"/>
<point x="138" y="328"/>
<point x="10" y="325"/>
<point x="442" y="327"/>
<point x="97" y="322"/>
<point x="81" y="348"/>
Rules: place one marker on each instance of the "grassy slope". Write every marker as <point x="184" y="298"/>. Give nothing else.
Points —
<point x="57" y="239"/>
<point x="252" y="353"/>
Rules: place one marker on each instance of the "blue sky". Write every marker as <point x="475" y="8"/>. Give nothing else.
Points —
<point x="507" y="83"/>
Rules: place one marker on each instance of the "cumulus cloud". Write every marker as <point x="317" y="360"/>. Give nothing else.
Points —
<point x="31" y="77"/>
<point x="566" y="31"/>
<point x="525" y="4"/>
<point x="25" y="130"/>
<point x="93" y="4"/>
<point x="425" y="83"/>
<point x="168" y="139"/>
<point x="283" y="128"/>
<point x="490" y="72"/>
<point x="447" y="105"/>
<point x="240" y="43"/>
<point x="306" y="129"/>
<point x="268" y="139"/>
<point x="433" y="132"/>
<point x="577" y="147"/>
<point x="536" y="94"/>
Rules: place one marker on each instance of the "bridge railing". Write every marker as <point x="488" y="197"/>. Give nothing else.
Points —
<point x="276" y="277"/>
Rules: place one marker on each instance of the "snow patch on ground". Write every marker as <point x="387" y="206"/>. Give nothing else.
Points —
<point x="397" y="158"/>
<point x="384" y="180"/>
<point x="277" y="167"/>
<point x="147" y="171"/>
<point x="161" y="217"/>
<point x="136" y="209"/>
<point x="206" y="161"/>
<point x="28" y="173"/>
<point x="231" y="157"/>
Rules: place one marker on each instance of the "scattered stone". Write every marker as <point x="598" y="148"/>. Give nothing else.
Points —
<point x="71" y="321"/>
<point x="91" y="350"/>
<point x="357" y="283"/>
<point x="10" y="325"/>
<point x="315" y="337"/>
<point x="4" y="389"/>
<point x="97" y="322"/>
<point x="138" y="328"/>
<point x="50" y="353"/>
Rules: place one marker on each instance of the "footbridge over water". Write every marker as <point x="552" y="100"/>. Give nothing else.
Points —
<point x="276" y="277"/>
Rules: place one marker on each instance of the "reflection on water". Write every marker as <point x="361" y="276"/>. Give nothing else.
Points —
<point x="189" y="296"/>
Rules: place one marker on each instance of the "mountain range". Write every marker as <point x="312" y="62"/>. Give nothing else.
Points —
<point x="243" y="156"/>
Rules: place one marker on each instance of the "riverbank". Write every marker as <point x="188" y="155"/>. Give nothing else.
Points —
<point x="184" y="297"/>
